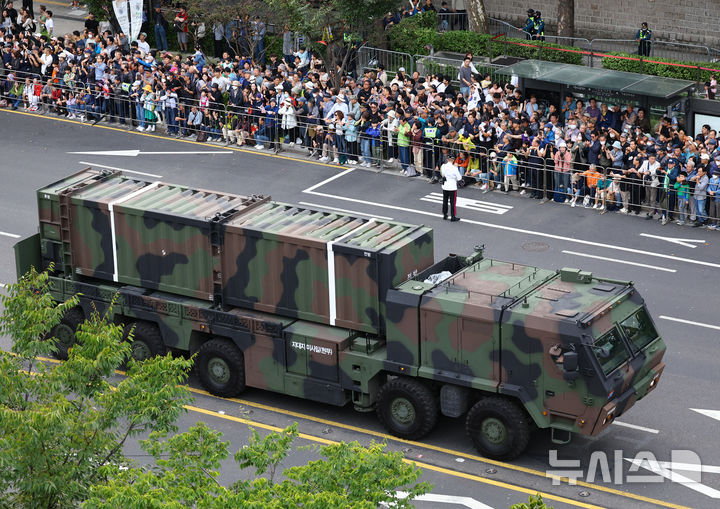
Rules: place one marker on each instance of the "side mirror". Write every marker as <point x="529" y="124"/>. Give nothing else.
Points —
<point x="570" y="366"/>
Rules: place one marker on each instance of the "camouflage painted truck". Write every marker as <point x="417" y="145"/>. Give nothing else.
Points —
<point x="341" y="309"/>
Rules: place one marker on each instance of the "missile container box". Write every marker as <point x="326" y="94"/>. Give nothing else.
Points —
<point x="341" y="309"/>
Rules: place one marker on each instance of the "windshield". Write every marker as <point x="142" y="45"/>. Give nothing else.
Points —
<point x="639" y="330"/>
<point x="610" y="351"/>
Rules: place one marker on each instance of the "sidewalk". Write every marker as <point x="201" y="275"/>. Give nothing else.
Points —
<point x="66" y="19"/>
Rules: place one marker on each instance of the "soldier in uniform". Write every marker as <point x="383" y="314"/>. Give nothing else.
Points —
<point x="449" y="181"/>
<point x="643" y="39"/>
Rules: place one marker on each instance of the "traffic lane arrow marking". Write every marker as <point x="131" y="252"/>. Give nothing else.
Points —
<point x="470" y="204"/>
<point x="135" y="153"/>
<point x="668" y="470"/>
<point x="673" y="240"/>
<point x="713" y="414"/>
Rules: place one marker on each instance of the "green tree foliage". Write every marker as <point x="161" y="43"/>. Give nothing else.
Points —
<point x="61" y="424"/>
<point x="185" y="475"/>
<point x="63" y="428"/>
<point x="333" y="27"/>
<point x="534" y="502"/>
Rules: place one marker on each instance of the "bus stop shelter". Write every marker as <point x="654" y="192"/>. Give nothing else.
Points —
<point x="551" y="81"/>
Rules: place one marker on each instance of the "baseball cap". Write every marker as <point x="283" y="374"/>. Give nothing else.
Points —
<point x="672" y="160"/>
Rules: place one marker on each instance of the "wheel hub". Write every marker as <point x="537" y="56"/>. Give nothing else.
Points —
<point x="219" y="370"/>
<point x="65" y="335"/>
<point x="402" y="411"/>
<point x="494" y="430"/>
<point x="140" y="350"/>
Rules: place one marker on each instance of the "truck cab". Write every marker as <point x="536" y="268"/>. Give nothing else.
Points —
<point x="561" y="349"/>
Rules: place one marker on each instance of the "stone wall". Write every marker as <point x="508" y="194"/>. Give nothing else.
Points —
<point x="689" y="21"/>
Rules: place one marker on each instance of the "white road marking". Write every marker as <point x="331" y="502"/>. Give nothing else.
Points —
<point x="311" y="190"/>
<point x="680" y="242"/>
<point x="328" y="180"/>
<point x="135" y="153"/>
<point x="11" y="235"/>
<point x="467" y="203"/>
<point x="714" y="414"/>
<point x="121" y="169"/>
<point x="626" y="262"/>
<point x="690" y="467"/>
<point x="670" y="473"/>
<point x="635" y="426"/>
<point x="690" y="322"/>
<point x="335" y="209"/>
<point x="471" y="503"/>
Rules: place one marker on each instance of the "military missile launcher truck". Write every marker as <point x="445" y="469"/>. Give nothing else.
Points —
<point x="341" y="309"/>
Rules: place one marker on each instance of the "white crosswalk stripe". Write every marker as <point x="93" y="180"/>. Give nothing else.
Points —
<point x="470" y="204"/>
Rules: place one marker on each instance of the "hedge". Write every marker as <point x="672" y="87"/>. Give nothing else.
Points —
<point x="412" y="35"/>
<point x="667" y="71"/>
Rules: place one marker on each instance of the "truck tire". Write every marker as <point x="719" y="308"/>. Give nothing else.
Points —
<point x="64" y="332"/>
<point x="221" y="368"/>
<point x="147" y="341"/>
<point x="407" y="408"/>
<point x="498" y="428"/>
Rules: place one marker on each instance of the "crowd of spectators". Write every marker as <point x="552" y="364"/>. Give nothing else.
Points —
<point x="602" y="156"/>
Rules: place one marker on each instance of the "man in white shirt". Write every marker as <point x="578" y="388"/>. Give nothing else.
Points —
<point x="143" y="45"/>
<point x="449" y="178"/>
<point x="651" y="177"/>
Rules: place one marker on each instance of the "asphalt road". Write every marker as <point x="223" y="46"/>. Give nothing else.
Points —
<point x="676" y="279"/>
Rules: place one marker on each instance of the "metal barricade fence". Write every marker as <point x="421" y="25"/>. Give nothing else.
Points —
<point x="368" y="58"/>
<point x="679" y="51"/>
<point x="609" y="45"/>
<point x="428" y="65"/>
<point x="452" y="21"/>
<point x="626" y="190"/>
<point x="497" y="27"/>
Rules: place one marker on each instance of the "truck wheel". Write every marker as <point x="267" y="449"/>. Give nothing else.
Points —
<point x="221" y="368"/>
<point x="147" y="341"/>
<point x="407" y="408"/>
<point x="64" y="332"/>
<point x="498" y="428"/>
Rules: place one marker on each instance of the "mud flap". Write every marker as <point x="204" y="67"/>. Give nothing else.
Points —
<point x="27" y="255"/>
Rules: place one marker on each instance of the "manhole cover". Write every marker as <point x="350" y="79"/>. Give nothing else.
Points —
<point x="535" y="247"/>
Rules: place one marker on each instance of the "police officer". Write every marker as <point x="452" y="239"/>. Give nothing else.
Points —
<point x="643" y="39"/>
<point x="538" y="27"/>
<point x="449" y="179"/>
<point x="530" y="23"/>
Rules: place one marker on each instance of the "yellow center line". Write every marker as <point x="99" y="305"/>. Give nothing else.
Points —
<point x="165" y="138"/>
<point x="384" y="436"/>
<point x="444" y="450"/>
<point x="424" y="466"/>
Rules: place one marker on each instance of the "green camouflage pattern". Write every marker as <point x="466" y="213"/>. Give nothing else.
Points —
<point x="495" y="326"/>
<point x="232" y="250"/>
<point x="258" y="273"/>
